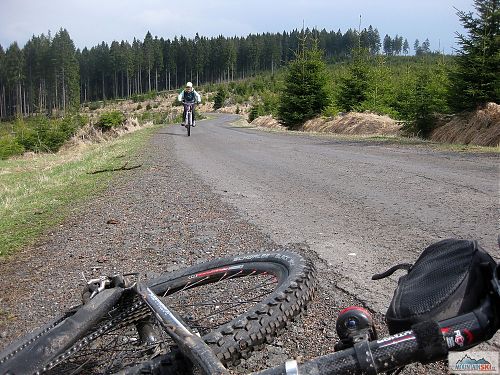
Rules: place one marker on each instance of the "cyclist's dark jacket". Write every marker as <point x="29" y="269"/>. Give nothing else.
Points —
<point x="189" y="96"/>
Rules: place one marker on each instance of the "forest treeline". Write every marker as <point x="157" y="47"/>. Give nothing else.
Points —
<point x="49" y="74"/>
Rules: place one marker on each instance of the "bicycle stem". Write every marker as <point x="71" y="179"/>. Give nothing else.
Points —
<point x="191" y="345"/>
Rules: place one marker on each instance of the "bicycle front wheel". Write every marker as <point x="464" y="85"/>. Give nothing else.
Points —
<point x="236" y="304"/>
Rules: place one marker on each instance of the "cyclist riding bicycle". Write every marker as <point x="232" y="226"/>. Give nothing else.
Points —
<point x="189" y="94"/>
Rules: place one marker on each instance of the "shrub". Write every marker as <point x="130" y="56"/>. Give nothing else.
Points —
<point x="10" y="147"/>
<point x="110" y="120"/>
<point x="270" y="102"/>
<point x="41" y="134"/>
<point x="94" y="105"/>
<point x="220" y="97"/>
<point x="53" y="139"/>
<point x="255" y="111"/>
<point x="27" y="136"/>
<point x="143" y="97"/>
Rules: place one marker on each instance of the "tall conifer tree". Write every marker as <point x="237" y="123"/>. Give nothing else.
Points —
<point x="476" y="79"/>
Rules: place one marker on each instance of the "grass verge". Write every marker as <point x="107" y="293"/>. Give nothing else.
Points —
<point x="38" y="192"/>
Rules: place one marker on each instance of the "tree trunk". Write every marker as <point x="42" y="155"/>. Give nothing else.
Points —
<point x="1" y="104"/>
<point x="128" y="85"/>
<point x="156" y="79"/>
<point x="140" y="80"/>
<point x="56" y="99"/>
<point x="103" y="88"/>
<point x="115" y="85"/>
<point x="63" y="91"/>
<point x="19" y="99"/>
<point x="149" y="79"/>
<point x="25" y="104"/>
<point x="40" y="96"/>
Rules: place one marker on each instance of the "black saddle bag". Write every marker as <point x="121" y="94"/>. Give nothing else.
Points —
<point x="450" y="278"/>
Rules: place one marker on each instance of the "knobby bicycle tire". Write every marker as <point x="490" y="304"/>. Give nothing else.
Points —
<point x="236" y="337"/>
<point x="189" y="123"/>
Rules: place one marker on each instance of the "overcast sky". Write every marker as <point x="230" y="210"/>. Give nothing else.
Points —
<point x="89" y="22"/>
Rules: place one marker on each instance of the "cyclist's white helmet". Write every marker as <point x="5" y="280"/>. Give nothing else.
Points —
<point x="189" y="84"/>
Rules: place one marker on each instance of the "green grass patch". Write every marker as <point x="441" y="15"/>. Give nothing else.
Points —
<point x="39" y="192"/>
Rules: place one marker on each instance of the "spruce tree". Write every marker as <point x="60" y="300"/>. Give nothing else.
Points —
<point x="220" y="98"/>
<point x="406" y="47"/>
<point x="354" y="86"/>
<point x="388" y="45"/>
<point x="476" y="79"/>
<point x="305" y="94"/>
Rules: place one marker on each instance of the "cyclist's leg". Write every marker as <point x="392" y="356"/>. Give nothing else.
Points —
<point x="183" y="117"/>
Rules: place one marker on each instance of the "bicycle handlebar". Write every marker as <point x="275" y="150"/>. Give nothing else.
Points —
<point x="426" y="342"/>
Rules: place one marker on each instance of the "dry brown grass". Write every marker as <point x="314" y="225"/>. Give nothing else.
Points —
<point x="354" y="123"/>
<point x="242" y="109"/>
<point x="481" y="128"/>
<point x="90" y="134"/>
<point x="366" y="124"/>
<point x="267" y="122"/>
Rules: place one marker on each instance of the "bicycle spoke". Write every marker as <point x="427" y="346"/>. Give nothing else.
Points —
<point x="224" y="310"/>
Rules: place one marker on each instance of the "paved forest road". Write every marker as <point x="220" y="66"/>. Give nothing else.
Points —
<point x="363" y="207"/>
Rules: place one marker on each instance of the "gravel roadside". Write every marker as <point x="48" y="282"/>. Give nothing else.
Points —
<point x="158" y="218"/>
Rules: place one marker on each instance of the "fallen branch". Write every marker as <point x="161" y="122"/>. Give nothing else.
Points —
<point x="122" y="168"/>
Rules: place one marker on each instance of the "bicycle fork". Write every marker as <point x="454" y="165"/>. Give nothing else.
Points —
<point x="190" y="344"/>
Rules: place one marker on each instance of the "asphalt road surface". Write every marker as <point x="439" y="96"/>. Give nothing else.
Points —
<point x="362" y="206"/>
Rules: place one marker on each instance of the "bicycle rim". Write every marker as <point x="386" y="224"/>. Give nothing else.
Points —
<point x="235" y="304"/>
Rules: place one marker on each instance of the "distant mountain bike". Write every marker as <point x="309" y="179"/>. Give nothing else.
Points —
<point x="188" y="120"/>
